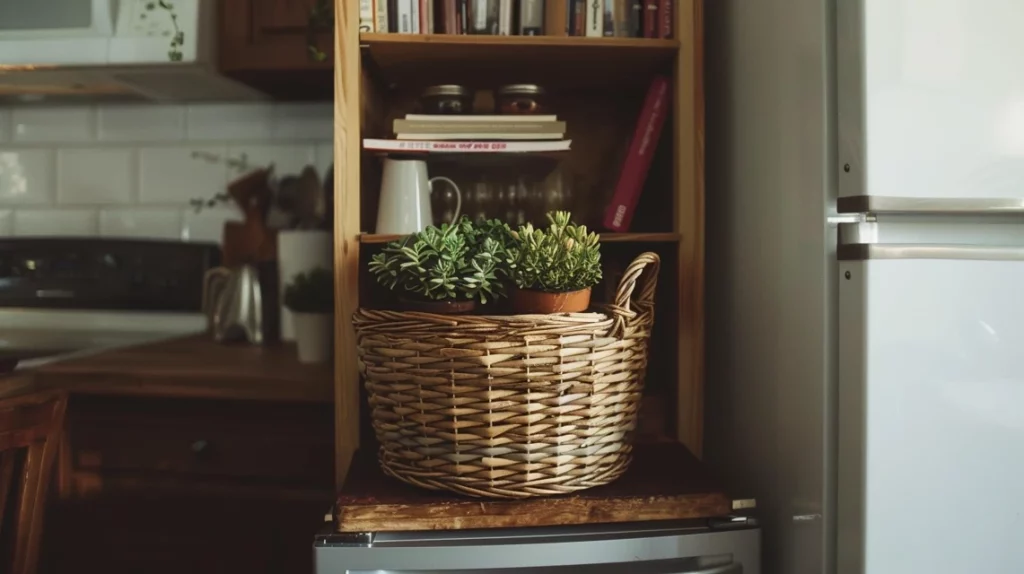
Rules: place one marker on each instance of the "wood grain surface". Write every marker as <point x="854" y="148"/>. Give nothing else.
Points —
<point x="347" y="177"/>
<point x="689" y="184"/>
<point x="189" y="367"/>
<point x="665" y="482"/>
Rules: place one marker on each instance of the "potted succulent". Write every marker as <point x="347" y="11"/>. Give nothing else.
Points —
<point x="310" y="298"/>
<point x="446" y="269"/>
<point x="553" y="270"/>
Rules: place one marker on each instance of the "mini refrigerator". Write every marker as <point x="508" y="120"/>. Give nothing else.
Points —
<point x="730" y="545"/>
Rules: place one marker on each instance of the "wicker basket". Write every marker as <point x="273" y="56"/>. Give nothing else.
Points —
<point x="509" y="406"/>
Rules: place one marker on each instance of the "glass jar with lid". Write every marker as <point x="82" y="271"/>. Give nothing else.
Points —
<point x="520" y="99"/>
<point x="446" y="99"/>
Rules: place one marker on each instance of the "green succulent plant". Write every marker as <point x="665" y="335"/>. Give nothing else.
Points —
<point x="310" y="292"/>
<point x="565" y="257"/>
<point x="455" y="261"/>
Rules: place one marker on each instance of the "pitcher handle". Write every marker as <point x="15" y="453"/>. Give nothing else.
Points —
<point x="458" y="194"/>
<point x="213" y="285"/>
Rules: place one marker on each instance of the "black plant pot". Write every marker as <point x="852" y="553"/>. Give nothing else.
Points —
<point x="439" y="307"/>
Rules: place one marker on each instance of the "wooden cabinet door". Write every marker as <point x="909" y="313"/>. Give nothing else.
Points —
<point x="270" y="35"/>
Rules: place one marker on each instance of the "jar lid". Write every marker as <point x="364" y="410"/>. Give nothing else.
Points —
<point x="520" y="89"/>
<point x="446" y="90"/>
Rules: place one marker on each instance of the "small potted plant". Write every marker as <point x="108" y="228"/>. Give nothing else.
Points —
<point x="446" y="269"/>
<point x="310" y="298"/>
<point x="553" y="270"/>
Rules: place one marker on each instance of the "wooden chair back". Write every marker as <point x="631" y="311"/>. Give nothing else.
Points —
<point x="30" y="431"/>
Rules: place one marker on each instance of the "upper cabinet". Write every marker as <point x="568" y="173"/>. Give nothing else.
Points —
<point x="283" y="47"/>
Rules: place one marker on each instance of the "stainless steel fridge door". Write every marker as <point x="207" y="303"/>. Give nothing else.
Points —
<point x="931" y="396"/>
<point x="930" y="99"/>
<point x="547" y="551"/>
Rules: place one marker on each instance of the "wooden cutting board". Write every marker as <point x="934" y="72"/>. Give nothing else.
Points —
<point x="665" y="482"/>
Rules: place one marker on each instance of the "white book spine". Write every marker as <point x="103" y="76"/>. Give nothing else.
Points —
<point x="466" y="146"/>
<point x="431" y="24"/>
<point x="382" y="16"/>
<point x="505" y="18"/>
<point x="445" y="118"/>
<point x="479" y="15"/>
<point x="366" y="16"/>
<point x="405" y="16"/>
<point x="415" y="16"/>
<point x="595" y="17"/>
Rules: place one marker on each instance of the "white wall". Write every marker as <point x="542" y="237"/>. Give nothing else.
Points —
<point x="129" y="170"/>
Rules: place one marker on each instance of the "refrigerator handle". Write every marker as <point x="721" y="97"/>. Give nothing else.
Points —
<point x="865" y="251"/>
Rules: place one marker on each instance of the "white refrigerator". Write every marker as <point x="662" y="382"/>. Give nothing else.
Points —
<point x="865" y="292"/>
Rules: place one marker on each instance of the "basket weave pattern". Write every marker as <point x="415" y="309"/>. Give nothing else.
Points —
<point x="509" y="406"/>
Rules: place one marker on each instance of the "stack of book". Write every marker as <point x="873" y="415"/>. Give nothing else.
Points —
<point x="475" y="133"/>
<point x="623" y="18"/>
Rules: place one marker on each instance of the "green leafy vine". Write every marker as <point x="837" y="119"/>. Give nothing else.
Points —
<point x="321" y="16"/>
<point x="178" y="38"/>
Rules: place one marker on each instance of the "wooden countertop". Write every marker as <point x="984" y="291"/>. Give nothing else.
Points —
<point x="664" y="482"/>
<point x="189" y="367"/>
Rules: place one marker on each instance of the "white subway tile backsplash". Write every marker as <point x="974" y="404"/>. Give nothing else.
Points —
<point x="50" y="125"/>
<point x="171" y="175"/>
<point x="5" y="125"/>
<point x="95" y="176"/>
<point x="145" y="123"/>
<point x="208" y="224"/>
<point x="229" y="122"/>
<point x="286" y="159"/>
<point x="303" y="121"/>
<point x="26" y="176"/>
<point x="129" y="170"/>
<point x="324" y="158"/>
<point x="149" y="223"/>
<point x="55" y="222"/>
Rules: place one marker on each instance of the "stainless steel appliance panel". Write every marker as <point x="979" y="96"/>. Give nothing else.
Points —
<point x="640" y="549"/>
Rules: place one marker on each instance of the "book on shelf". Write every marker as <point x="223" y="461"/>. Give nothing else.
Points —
<point x="474" y="136"/>
<point x="618" y="18"/>
<point x="619" y="212"/>
<point x="478" y="127"/>
<point x="473" y="118"/>
<point x="444" y="146"/>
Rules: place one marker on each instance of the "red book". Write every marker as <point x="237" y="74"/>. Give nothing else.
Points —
<point x="665" y="19"/>
<point x="450" y="18"/>
<point x="651" y="18"/>
<point x="579" y="18"/>
<point x="425" y="17"/>
<point x="619" y="213"/>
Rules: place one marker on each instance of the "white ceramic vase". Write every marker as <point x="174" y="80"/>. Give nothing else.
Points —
<point x="313" y="336"/>
<point x="298" y="251"/>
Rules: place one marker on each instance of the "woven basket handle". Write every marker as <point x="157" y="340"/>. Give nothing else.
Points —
<point x="642" y="273"/>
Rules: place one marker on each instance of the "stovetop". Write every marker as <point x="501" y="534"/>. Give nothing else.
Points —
<point x="65" y="298"/>
<point x="112" y="274"/>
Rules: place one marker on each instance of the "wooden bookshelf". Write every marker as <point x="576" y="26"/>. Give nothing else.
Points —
<point x="597" y="86"/>
<point x="570" y="62"/>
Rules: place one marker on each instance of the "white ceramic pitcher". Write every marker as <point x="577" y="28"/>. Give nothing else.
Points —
<point x="405" y="197"/>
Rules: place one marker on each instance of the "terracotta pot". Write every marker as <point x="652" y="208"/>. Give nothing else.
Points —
<point x="529" y="301"/>
<point x="440" y="307"/>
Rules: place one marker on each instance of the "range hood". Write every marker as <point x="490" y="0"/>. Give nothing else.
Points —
<point x="155" y="50"/>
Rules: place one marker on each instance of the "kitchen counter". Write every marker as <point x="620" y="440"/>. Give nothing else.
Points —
<point x="189" y="367"/>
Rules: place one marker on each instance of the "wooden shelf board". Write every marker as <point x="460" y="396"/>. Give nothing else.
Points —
<point x="557" y="62"/>
<point x="371" y="238"/>
<point x="483" y="40"/>
<point x="664" y="482"/>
